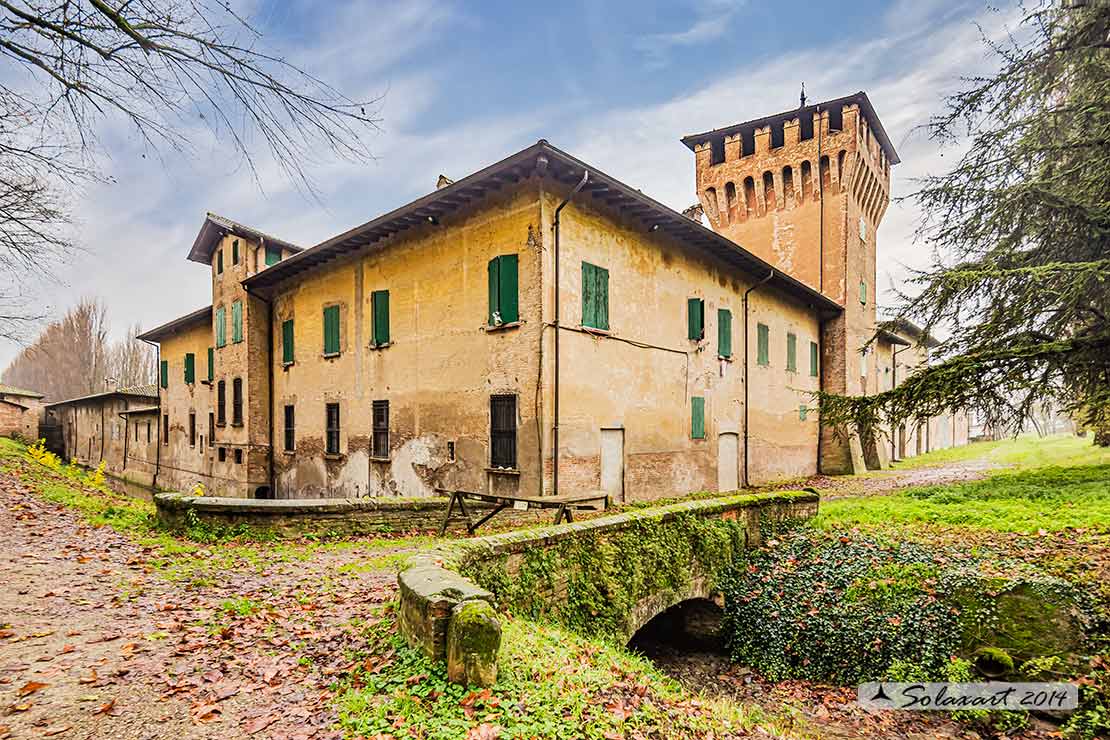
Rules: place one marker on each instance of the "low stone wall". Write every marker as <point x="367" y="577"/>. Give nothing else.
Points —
<point x="303" y="516"/>
<point x="606" y="576"/>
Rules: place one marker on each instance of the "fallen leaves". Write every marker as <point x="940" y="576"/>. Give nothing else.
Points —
<point x="31" y="687"/>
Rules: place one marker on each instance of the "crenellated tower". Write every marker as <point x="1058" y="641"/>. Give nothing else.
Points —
<point x="805" y="190"/>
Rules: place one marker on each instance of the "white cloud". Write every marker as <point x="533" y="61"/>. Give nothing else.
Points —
<point x="712" y="20"/>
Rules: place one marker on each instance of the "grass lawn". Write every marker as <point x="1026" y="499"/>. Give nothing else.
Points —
<point x="1048" y="484"/>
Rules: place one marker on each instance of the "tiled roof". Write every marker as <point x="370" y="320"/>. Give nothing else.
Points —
<point x="215" y="226"/>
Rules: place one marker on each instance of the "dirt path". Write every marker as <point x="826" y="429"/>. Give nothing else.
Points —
<point x="881" y="482"/>
<point x="94" y="643"/>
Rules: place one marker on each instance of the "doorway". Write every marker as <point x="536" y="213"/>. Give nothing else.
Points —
<point x="612" y="463"/>
<point x="728" y="461"/>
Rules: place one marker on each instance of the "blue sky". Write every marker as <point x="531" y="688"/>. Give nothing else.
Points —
<point x="463" y="85"/>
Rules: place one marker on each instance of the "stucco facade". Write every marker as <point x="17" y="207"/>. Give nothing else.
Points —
<point x="424" y="350"/>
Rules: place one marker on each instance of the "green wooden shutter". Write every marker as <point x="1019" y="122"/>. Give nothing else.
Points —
<point x="697" y="417"/>
<point x="211" y="364"/>
<point x="588" y="318"/>
<point x="595" y="296"/>
<point x="601" y="292"/>
<point x="508" y="300"/>
<point x="380" y="302"/>
<point x="165" y="373"/>
<point x="724" y="332"/>
<point x="862" y="291"/>
<point x="331" y="330"/>
<point x="763" y="344"/>
<point x="287" y="342"/>
<point x="695" y="318"/>
<point x="813" y="359"/>
<point x="273" y="256"/>
<point x="190" y="367"/>
<point x="221" y="327"/>
<point x="237" y="322"/>
<point x="494" y="290"/>
<point x="791" y="352"/>
<point x="803" y="412"/>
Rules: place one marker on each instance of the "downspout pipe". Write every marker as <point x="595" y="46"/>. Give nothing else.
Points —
<point x="747" y="342"/>
<point x="555" y="380"/>
<point x="158" y="421"/>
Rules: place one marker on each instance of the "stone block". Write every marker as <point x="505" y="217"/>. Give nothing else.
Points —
<point x="473" y="639"/>
<point x="429" y="594"/>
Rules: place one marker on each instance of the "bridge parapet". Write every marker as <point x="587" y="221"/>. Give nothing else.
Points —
<point x="605" y="577"/>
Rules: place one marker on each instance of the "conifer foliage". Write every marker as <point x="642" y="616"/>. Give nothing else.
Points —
<point x="1020" y="232"/>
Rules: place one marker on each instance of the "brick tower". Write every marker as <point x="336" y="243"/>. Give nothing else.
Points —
<point x="805" y="190"/>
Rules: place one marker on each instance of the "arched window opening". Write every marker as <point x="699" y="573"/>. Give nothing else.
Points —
<point x="840" y="159"/>
<point x="826" y="181"/>
<point x="807" y="181"/>
<point x="749" y="197"/>
<point x="711" y="204"/>
<point x="769" y="191"/>
<point x="787" y="185"/>
<point x="730" y="200"/>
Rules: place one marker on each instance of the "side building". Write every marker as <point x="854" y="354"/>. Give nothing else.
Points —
<point x="117" y="427"/>
<point x="20" y="412"/>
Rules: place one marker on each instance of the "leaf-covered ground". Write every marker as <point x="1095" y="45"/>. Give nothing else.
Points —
<point x="110" y="628"/>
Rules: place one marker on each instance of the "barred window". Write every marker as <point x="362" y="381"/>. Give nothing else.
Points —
<point x="333" y="429"/>
<point x="502" y="415"/>
<point x="381" y="429"/>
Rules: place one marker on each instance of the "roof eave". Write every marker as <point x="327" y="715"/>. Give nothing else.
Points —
<point x="665" y="218"/>
<point x="181" y="322"/>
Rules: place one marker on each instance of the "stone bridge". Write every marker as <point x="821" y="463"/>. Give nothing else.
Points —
<point x="605" y="577"/>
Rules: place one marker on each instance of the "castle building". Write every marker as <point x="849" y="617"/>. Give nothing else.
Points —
<point x="539" y="326"/>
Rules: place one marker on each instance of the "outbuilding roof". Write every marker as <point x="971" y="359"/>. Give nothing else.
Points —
<point x="11" y="390"/>
<point x="147" y="392"/>
<point x="545" y="160"/>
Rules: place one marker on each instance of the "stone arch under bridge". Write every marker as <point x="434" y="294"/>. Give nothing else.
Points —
<point x="604" y="577"/>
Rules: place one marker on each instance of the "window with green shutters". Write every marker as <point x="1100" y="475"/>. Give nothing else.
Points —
<point x="695" y="319"/>
<point x="724" y="332"/>
<point x="165" y="374"/>
<point x="697" y="418"/>
<point x="221" y="327"/>
<point x="379" y="304"/>
<point x="595" y="296"/>
<point x="287" y="342"/>
<point x="862" y="292"/>
<point x="813" y="359"/>
<point x="504" y="305"/>
<point x="211" y="364"/>
<point x="763" y="344"/>
<point x="237" y="322"/>
<point x="190" y="368"/>
<point x="331" y="330"/>
<point x="273" y="256"/>
<point x="791" y="353"/>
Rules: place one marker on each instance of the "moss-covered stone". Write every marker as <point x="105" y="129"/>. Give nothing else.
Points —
<point x="473" y="639"/>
